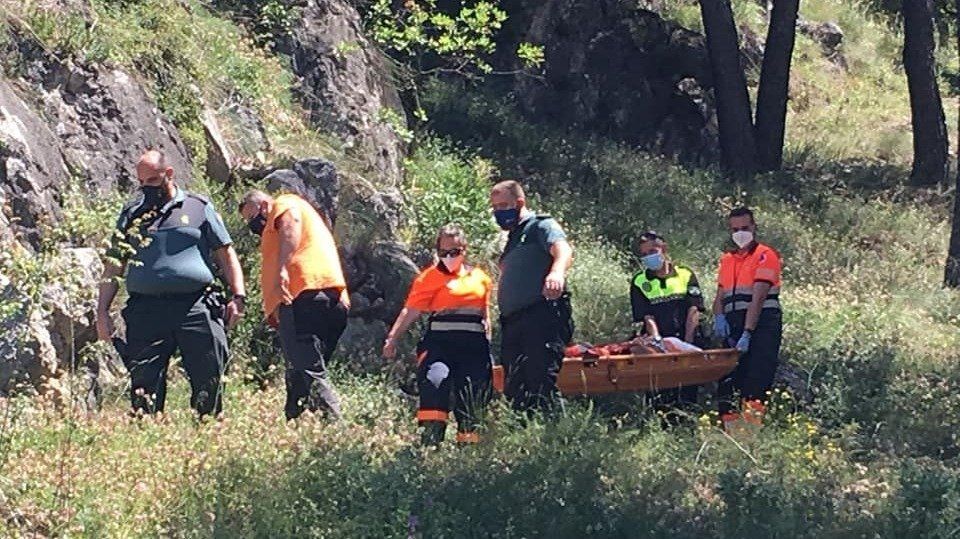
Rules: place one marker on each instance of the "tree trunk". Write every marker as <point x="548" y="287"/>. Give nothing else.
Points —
<point x="929" y="124"/>
<point x="730" y="85"/>
<point x="951" y="276"/>
<point x="774" y="84"/>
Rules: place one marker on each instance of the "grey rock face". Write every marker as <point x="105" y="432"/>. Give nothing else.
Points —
<point x="31" y="167"/>
<point x="42" y="341"/>
<point x="219" y="158"/>
<point x="315" y="180"/>
<point x="63" y="120"/>
<point x="346" y="86"/>
<point x="105" y="120"/>
<point x="71" y="301"/>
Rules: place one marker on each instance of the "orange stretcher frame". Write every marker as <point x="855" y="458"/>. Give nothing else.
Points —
<point x="629" y="373"/>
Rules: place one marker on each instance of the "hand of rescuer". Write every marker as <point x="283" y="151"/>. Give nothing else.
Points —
<point x="743" y="345"/>
<point x="721" y="328"/>
<point x="553" y="285"/>
<point x="389" y="349"/>
<point x="233" y="312"/>
<point x="284" y="285"/>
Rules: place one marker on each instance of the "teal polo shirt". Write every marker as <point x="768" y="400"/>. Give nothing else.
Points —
<point x="525" y="262"/>
<point x="168" y="249"/>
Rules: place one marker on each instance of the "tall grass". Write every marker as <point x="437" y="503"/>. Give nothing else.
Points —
<point x="251" y="475"/>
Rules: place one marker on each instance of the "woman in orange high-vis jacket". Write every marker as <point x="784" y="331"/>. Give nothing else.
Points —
<point x="454" y="354"/>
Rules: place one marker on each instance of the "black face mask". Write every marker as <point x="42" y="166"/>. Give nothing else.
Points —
<point x="153" y="196"/>
<point x="257" y="223"/>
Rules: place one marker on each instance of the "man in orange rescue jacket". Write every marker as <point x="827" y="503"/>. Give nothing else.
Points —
<point x="747" y="315"/>
<point x="304" y="294"/>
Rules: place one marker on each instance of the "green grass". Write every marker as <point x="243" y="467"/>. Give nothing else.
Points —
<point x="252" y="475"/>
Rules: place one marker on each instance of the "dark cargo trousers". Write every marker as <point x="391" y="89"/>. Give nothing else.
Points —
<point x="466" y="356"/>
<point x="753" y="376"/>
<point x="309" y="330"/>
<point x="158" y="326"/>
<point x="532" y="345"/>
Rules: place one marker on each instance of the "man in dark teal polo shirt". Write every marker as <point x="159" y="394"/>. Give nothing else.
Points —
<point x="167" y="240"/>
<point x="535" y="313"/>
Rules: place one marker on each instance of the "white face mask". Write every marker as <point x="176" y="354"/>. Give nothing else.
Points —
<point x="742" y="238"/>
<point x="452" y="263"/>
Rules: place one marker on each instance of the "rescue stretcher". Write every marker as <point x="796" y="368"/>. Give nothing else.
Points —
<point x="601" y="375"/>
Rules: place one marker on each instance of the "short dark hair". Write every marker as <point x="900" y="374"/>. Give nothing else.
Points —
<point x="740" y="212"/>
<point x="512" y="187"/>
<point x="454" y="232"/>
<point x="649" y="235"/>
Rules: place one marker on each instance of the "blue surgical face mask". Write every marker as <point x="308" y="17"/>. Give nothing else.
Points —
<point x="653" y="261"/>
<point x="507" y="219"/>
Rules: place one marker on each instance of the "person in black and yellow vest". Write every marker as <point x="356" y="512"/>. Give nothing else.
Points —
<point x="667" y="301"/>
<point x="454" y="354"/>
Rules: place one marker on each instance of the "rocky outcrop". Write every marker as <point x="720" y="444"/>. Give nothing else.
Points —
<point x="31" y="165"/>
<point x="830" y="37"/>
<point x="315" y="180"/>
<point x="61" y="120"/>
<point x="617" y="70"/>
<point x="27" y="354"/>
<point x="43" y="338"/>
<point x="346" y="86"/>
<point x="103" y="119"/>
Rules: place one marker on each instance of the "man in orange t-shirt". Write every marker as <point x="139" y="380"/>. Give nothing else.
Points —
<point x="304" y="294"/>
<point x="747" y="316"/>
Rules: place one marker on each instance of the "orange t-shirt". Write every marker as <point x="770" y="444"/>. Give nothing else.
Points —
<point x="435" y="290"/>
<point x="315" y="262"/>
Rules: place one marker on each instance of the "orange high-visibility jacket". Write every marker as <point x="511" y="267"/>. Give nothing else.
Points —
<point x="435" y="290"/>
<point x="739" y="271"/>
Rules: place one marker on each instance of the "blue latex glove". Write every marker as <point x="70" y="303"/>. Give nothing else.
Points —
<point x="743" y="345"/>
<point x="721" y="328"/>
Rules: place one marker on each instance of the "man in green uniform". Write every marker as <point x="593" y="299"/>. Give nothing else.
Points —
<point x="535" y="313"/>
<point x="166" y="240"/>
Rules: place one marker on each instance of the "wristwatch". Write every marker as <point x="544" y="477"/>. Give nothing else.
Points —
<point x="241" y="299"/>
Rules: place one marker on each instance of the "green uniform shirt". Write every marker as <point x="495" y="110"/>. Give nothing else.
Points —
<point x="167" y="249"/>
<point x="525" y="262"/>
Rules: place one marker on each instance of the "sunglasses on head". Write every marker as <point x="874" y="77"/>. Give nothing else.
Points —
<point x="451" y="252"/>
